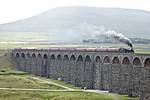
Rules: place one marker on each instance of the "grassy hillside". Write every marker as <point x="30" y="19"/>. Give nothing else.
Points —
<point x="76" y="23"/>
<point x="5" y="59"/>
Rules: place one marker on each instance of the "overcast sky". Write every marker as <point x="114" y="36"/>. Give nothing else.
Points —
<point x="11" y="10"/>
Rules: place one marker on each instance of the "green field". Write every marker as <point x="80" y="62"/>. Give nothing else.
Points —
<point x="29" y="95"/>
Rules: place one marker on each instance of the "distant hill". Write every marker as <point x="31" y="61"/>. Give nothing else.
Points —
<point x="79" y="22"/>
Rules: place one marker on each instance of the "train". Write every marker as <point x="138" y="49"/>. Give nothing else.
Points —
<point x="111" y="50"/>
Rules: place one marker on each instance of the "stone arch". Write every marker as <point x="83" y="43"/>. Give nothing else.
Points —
<point x="126" y="73"/>
<point x="33" y="55"/>
<point x="53" y="67"/>
<point x="45" y="56"/>
<point x="39" y="64"/>
<point x="59" y="66"/>
<point x="39" y="56"/>
<point x="116" y="60"/>
<point x="28" y="62"/>
<point x="88" y="72"/>
<point x="80" y="58"/>
<point x="138" y="75"/>
<point x="115" y="74"/>
<point x="45" y="69"/>
<point x="106" y="60"/>
<point x="28" y="55"/>
<point x="79" y="71"/>
<point x="126" y="61"/>
<point x="147" y="63"/>
<point x="87" y="58"/>
<point x="65" y="57"/>
<point x="98" y="59"/>
<point x="22" y="55"/>
<point x="23" y="62"/>
<point x="72" y="58"/>
<point x="52" y="57"/>
<point x="72" y="69"/>
<point x="33" y="64"/>
<point x="65" y="69"/>
<point x="97" y="73"/>
<point x="17" y="55"/>
<point x="137" y="62"/>
<point x="59" y="57"/>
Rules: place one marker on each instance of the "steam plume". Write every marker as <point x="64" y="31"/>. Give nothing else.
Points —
<point x="117" y="36"/>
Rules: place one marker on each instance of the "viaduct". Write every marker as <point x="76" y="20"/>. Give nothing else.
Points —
<point x="123" y="73"/>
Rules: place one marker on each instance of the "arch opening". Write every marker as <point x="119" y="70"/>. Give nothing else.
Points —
<point x="87" y="58"/>
<point x="39" y="56"/>
<point x="98" y="59"/>
<point x="116" y="60"/>
<point x="17" y="55"/>
<point x="52" y="57"/>
<point x="22" y="55"/>
<point x="66" y="57"/>
<point x="137" y="62"/>
<point x="45" y="56"/>
<point x="28" y="55"/>
<point x="106" y="60"/>
<point x="147" y="63"/>
<point x="33" y="56"/>
<point x="126" y="61"/>
<point x="59" y="57"/>
<point x="72" y="58"/>
<point x="80" y="58"/>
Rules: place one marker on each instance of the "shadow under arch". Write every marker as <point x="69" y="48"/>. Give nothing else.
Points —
<point x="52" y="57"/>
<point x="126" y="61"/>
<point x="72" y="58"/>
<point x="116" y="60"/>
<point x="87" y="58"/>
<point x="79" y="71"/>
<point x="39" y="65"/>
<point x="80" y="58"/>
<point x="45" y="56"/>
<point x="28" y="62"/>
<point x="33" y="64"/>
<point x="147" y="63"/>
<point x="65" y="57"/>
<point x="137" y="62"/>
<point x="33" y="55"/>
<point x="45" y="69"/>
<point x="28" y="55"/>
<point x="98" y="59"/>
<point x="17" y="55"/>
<point x="59" y="57"/>
<point x="106" y="60"/>
<point x="73" y="78"/>
<point x="22" y="55"/>
<point x="39" y="56"/>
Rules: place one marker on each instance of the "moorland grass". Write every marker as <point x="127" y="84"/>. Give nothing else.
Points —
<point x="29" y="95"/>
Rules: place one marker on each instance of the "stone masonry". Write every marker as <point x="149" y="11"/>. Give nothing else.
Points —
<point x="123" y="73"/>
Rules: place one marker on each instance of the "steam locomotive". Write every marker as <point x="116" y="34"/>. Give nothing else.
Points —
<point x="124" y="50"/>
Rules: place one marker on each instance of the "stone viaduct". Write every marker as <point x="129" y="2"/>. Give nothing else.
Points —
<point x="123" y="73"/>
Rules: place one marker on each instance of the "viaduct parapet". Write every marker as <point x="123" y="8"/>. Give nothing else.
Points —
<point x="103" y="69"/>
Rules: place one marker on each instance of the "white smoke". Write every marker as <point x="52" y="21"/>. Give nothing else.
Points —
<point x="99" y="33"/>
<point x="117" y="36"/>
